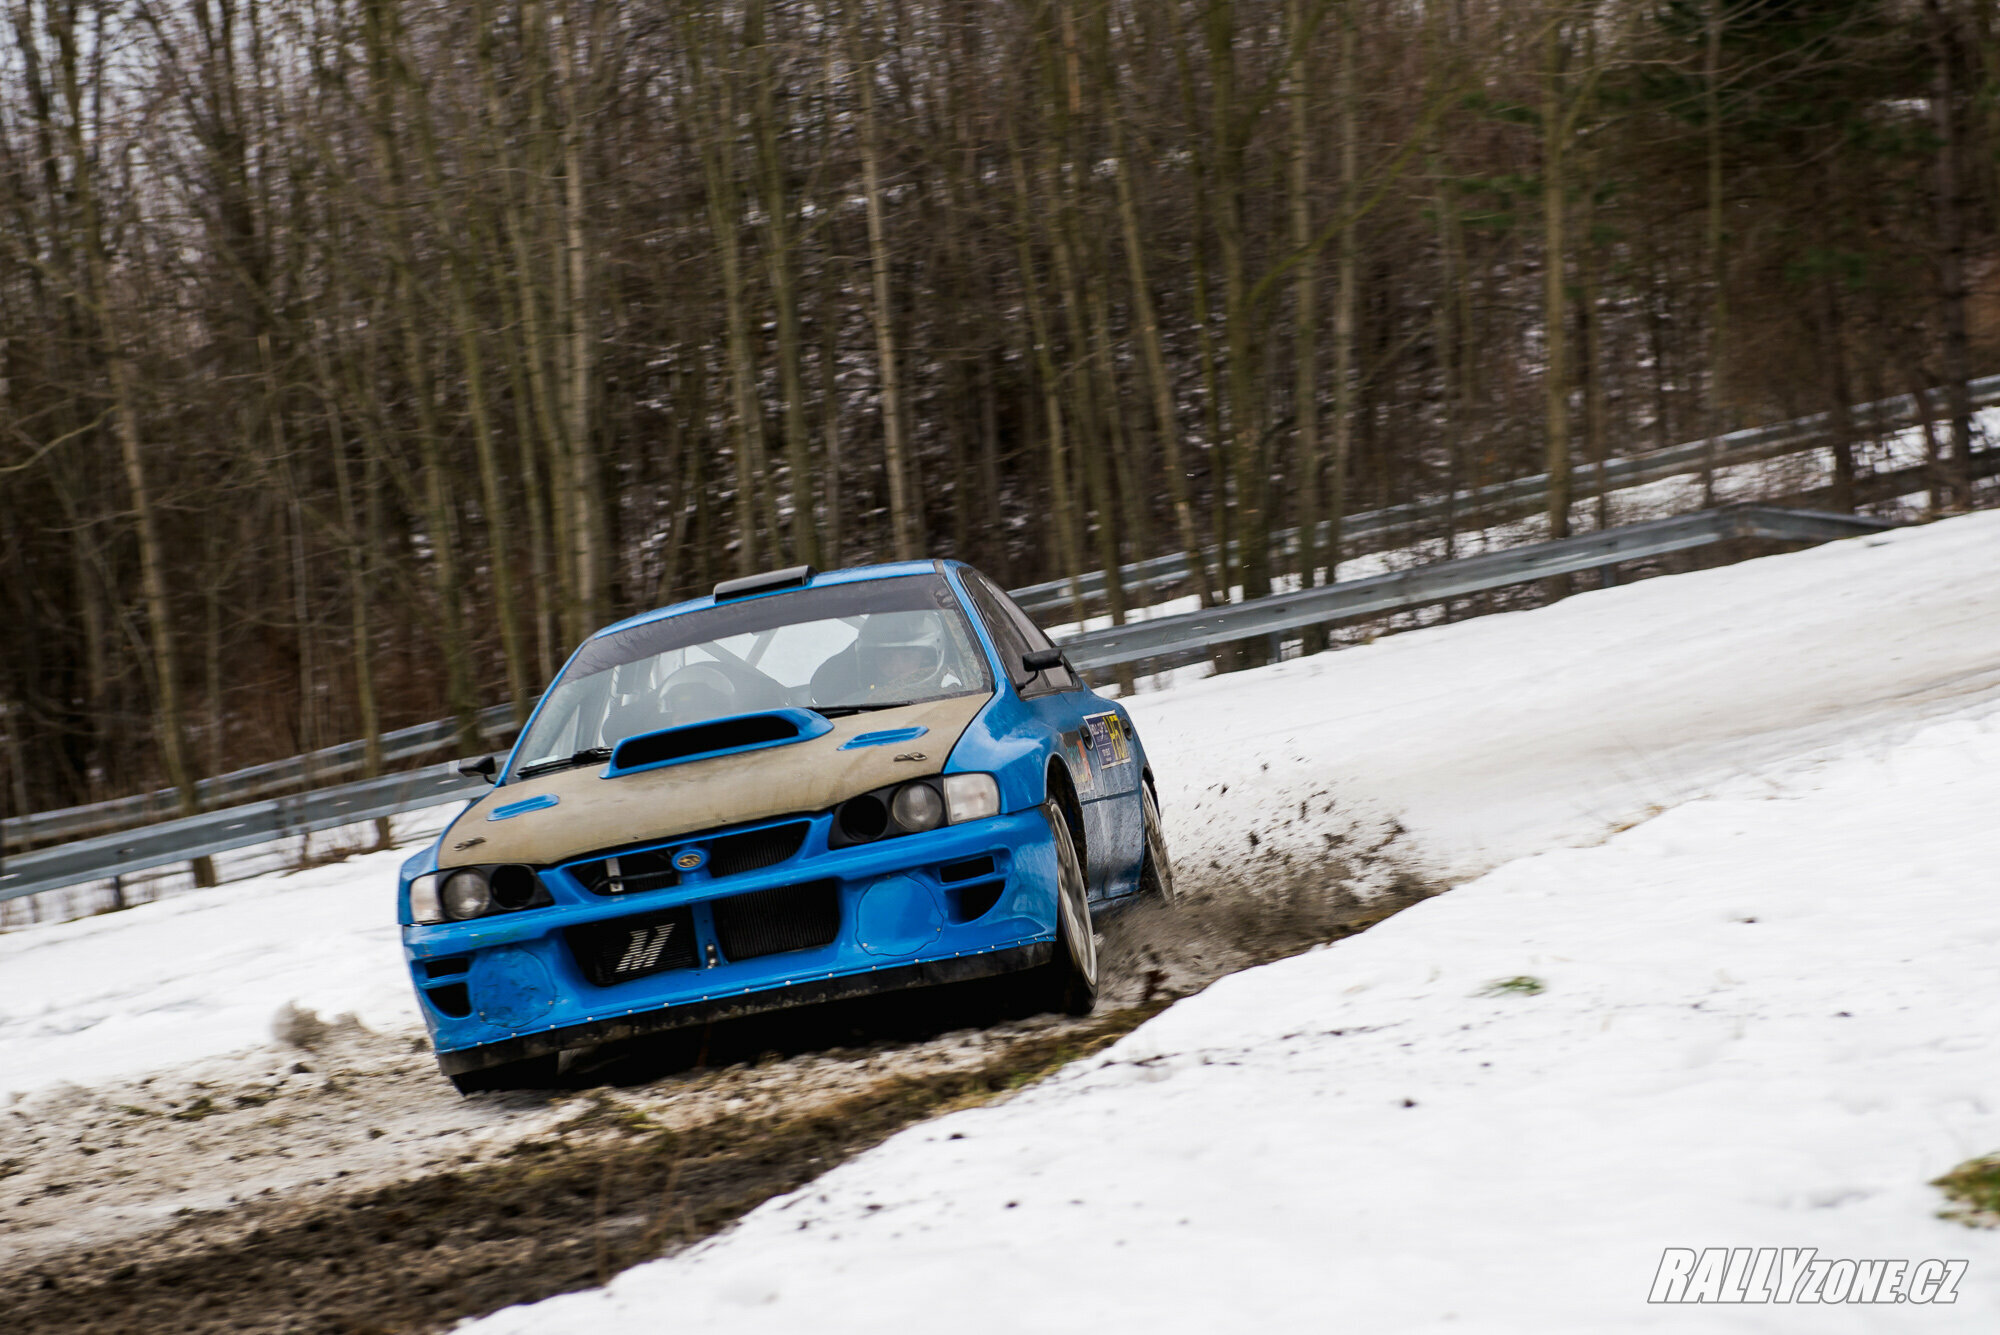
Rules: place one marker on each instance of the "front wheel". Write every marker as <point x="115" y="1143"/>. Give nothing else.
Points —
<point x="1156" y="876"/>
<point x="1068" y="982"/>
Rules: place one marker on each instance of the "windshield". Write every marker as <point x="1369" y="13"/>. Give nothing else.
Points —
<point x="839" y="649"/>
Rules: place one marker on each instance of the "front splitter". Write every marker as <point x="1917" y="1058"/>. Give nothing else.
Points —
<point x="924" y="973"/>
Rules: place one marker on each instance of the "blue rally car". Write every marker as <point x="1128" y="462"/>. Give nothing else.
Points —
<point x="804" y="787"/>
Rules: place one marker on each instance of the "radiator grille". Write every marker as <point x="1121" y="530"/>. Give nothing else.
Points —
<point x="752" y="849"/>
<point x="628" y="873"/>
<point x="769" y="922"/>
<point x="635" y="947"/>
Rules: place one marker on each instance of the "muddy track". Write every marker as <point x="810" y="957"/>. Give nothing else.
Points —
<point x="344" y="1189"/>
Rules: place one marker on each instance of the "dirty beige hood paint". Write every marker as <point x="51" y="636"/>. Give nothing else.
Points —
<point x="596" y="812"/>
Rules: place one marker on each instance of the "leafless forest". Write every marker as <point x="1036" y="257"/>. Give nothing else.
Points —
<point x="358" y="356"/>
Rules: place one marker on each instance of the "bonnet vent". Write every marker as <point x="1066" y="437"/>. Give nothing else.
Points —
<point x="703" y="739"/>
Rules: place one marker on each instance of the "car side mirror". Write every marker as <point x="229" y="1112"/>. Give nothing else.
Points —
<point x="486" y="767"/>
<point x="1041" y="660"/>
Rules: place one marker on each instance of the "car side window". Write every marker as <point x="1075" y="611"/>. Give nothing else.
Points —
<point x="1001" y="627"/>
<point x="1058" y="678"/>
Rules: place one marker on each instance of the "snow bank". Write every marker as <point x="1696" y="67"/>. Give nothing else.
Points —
<point x="1507" y="735"/>
<point x="201" y="973"/>
<point x="1765" y="1018"/>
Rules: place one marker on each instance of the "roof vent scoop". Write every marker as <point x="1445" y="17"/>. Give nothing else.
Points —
<point x="771" y="581"/>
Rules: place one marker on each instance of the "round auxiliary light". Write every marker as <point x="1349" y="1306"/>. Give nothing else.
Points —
<point x="467" y="895"/>
<point x="918" y="807"/>
<point x="863" y="818"/>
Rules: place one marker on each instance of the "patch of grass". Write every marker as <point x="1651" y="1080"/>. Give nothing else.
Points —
<point x="1521" y="985"/>
<point x="194" y="1112"/>
<point x="1974" y="1189"/>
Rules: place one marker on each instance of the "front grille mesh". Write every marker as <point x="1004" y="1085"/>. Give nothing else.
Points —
<point x="770" y="922"/>
<point x="752" y="849"/>
<point x="635" y="947"/>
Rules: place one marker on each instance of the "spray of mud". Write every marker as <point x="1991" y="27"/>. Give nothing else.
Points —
<point x="335" y="1183"/>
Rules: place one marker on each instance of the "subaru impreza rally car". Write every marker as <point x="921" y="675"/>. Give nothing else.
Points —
<point x="805" y="787"/>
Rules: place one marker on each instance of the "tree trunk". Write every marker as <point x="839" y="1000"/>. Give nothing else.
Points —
<point x="905" y="538"/>
<point x="1555" y="318"/>
<point x="1951" y="245"/>
<point x="1305" y="311"/>
<point x="777" y="206"/>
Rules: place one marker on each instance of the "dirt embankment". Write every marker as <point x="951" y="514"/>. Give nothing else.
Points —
<point x="343" y="1187"/>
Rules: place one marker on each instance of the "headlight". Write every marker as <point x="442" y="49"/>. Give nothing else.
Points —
<point x="912" y="807"/>
<point x="467" y="894"/>
<point x="917" y="806"/>
<point x="459" y="893"/>
<point x="971" y="796"/>
<point x="424" y="906"/>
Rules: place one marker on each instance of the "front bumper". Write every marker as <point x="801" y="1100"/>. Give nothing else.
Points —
<point x="960" y="902"/>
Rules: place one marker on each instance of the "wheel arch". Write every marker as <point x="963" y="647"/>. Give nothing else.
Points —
<point x="1062" y="789"/>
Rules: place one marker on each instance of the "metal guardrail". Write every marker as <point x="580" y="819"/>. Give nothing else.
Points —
<point x="1511" y="500"/>
<point x="190" y="837"/>
<point x="260" y="822"/>
<point x="43" y="827"/>
<point x="1445" y="580"/>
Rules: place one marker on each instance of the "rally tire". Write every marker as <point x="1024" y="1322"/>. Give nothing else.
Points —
<point x="1156" y="874"/>
<point x="1068" y="982"/>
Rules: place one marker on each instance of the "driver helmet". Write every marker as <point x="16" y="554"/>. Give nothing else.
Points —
<point x="697" y="693"/>
<point x="902" y="653"/>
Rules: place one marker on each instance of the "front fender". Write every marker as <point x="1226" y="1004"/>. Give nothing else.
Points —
<point x="1007" y="740"/>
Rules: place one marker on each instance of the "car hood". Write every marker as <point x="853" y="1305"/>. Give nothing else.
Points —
<point x="590" y="812"/>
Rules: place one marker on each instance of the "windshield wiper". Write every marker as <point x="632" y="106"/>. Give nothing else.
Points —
<point x="583" y="757"/>
<point x="842" y="711"/>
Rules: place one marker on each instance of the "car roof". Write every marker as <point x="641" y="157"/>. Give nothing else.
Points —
<point x="850" y="575"/>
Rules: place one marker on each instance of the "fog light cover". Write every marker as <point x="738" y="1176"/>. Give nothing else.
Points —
<point x="971" y="796"/>
<point x="467" y="894"/>
<point x="424" y="906"/>
<point x="917" y="806"/>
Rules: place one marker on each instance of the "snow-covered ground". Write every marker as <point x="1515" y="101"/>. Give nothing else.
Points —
<point x="1811" y="741"/>
<point x="1764" y="1019"/>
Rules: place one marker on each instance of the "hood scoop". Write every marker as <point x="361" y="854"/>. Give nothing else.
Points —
<point x="716" y="737"/>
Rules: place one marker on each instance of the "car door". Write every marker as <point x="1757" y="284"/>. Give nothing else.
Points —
<point x="1094" y="735"/>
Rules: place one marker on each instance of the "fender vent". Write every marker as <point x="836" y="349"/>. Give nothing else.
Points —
<point x="752" y="849"/>
<point x="635" y="947"/>
<point x="770" y="922"/>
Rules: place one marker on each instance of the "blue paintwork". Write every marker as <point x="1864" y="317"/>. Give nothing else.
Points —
<point x="896" y="907"/>
<point x="809" y="724"/>
<point x="887" y="737"/>
<point x="539" y="802"/>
